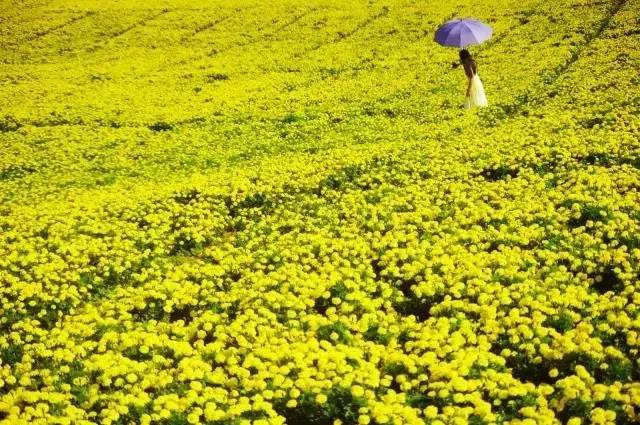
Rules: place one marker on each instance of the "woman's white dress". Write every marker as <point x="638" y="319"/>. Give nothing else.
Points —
<point x="476" y="97"/>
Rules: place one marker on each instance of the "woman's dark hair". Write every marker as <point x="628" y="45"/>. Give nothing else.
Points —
<point x="464" y="54"/>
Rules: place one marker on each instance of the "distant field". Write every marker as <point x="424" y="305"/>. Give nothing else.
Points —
<point x="252" y="212"/>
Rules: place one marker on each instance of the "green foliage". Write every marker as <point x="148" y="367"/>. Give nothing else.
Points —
<point x="161" y="126"/>
<point x="561" y="323"/>
<point x="9" y="123"/>
<point x="395" y="369"/>
<point x="373" y="334"/>
<point x="325" y="332"/>
<point x="176" y="418"/>
<point x="418" y="400"/>
<point x="14" y="172"/>
<point x="216" y="76"/>
<point x="340" y="404"/>
<point x="11" y="355"/>
<point x="575" y="408"/>
<point x="475" y="419"/>
<point x="339" y="290"/>
<point x="510" y="408"/>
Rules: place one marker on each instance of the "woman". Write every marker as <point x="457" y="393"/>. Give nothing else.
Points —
<point x="475" y="90"/>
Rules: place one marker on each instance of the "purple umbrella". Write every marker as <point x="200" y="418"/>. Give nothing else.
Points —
<point x="462" y="33"/>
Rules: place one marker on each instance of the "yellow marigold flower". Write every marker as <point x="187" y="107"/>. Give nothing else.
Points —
<point x="610" y="415"/>
<point x="382" y="419"/>
<point x="430" y="412"/>
<point x="211" y="413"/>
<point x="364" y="419"/>
<point x="193" y="418"/>
<point x="357" y="390"/>
<point x="291" y="403"/>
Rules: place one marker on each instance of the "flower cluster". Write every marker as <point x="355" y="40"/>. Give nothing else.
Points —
<point x="287" y="221"/>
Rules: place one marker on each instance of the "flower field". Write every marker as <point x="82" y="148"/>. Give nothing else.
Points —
<point x="251" y="212"/>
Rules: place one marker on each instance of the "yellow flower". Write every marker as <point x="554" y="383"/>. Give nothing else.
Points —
<point x="357" y="391"/>
<point x="193" y="418"/>
<point x="430" y="412"/>
<point x="160" y="257"/>
<point x="363" y="419"/>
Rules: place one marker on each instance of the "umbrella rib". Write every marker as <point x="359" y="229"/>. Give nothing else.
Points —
<point x="482" y="32"/>
<point x="447" y="31"/>
<point x="455" y="32"/>
<point x="486" y="34"/>
<point x="470" y="31"/>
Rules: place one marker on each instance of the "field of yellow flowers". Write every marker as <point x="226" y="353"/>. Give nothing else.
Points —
<point x="248" y="212"/>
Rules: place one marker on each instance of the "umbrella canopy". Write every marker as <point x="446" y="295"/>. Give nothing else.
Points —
<point x="461" y="33"/>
